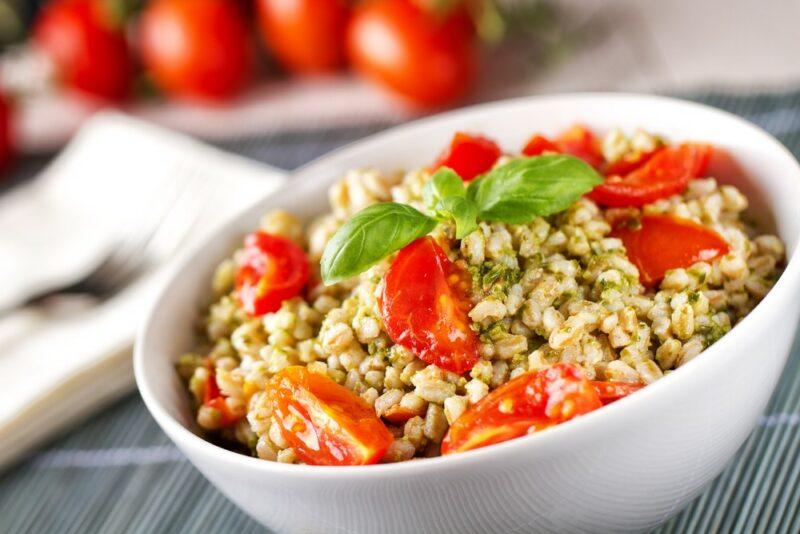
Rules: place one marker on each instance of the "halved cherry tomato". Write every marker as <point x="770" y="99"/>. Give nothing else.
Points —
<point x="427" y="58"/>
<point x="577" y="141"/>
<point x="531" y="402"/>
<point x="87" y="46"/>
<point x="666" y="173"/>
<point x="469" y="155"/>
<point x="580" y="142"/>
<point x="628" y="163"/>
<point x="660" y="243"/>
<point x="213" y="398"/>
<point x="304" y="35"/>
<point x="197" y="49"/>
<point x="424" y="307"/>
<point x="612" y="391"/>
<point x="538" y="145"/>
<point x="325" y="423"/>
<point x="271" y="269"/>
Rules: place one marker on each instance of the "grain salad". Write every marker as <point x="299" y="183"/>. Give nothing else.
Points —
<point x="476" y="300"/>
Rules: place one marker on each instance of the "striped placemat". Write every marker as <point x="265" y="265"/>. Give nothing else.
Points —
<point x="118" y="472"/>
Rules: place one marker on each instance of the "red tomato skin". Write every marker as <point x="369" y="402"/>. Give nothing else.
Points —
<point x="325" y="423"/>
<point x="426" y="60"/>
<point x="534" y="400"/>
<point x="271" y="269"/>
<point x="197" y="49"/>
<point x="425" y="312"/>
<point x="613" y="391"/>
<point x="305" y="36"/>
<point x="628" y="164"/>
<point x="469" y="155"/>
<point x="666" y="173"/>
<point x="661" y="243"/>
<point x="88" y="52"/>
<point x="538" y="145"/>
<point x="579" y="141"/>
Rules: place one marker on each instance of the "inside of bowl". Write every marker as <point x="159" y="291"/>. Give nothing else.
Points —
<point x="748" y="158"/>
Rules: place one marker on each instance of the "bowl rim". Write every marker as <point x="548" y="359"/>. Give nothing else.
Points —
<point x="185" y="438"/>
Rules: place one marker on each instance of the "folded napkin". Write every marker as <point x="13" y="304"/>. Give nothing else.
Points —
<point x="61" y="361"/>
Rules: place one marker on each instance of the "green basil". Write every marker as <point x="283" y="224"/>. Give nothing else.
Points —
<point x="462" y="210"/>
<point x="444" y="183"/>
<point x="369" y="236"/>
<point x="526" y="188"/>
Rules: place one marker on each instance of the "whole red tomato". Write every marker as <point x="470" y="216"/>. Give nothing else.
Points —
<point x="424" y="56"/>
<point x="304" y="35"/>
<point x="87" y="47"/>
<point x="197" y="49"/>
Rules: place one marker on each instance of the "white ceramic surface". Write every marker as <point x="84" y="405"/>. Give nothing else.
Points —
<point x="625" y="467"/>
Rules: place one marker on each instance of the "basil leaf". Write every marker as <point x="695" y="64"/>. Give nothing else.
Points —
<point x="369" y="236"/>
<point x="444" y="183"/>
<point x="463" y="211"/>
<point x="526" y="188"/>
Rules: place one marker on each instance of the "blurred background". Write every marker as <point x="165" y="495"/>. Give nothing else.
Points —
<point x="128" y="128"/>
<point x="236" y="68"/>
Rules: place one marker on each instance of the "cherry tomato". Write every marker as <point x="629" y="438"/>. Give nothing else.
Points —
<point x="304" y="35"/>
<point x="422" y="56"/>
<point x="628" y="163"/>
<point x="469" y="155"/>
<point x="213" y="398"/>
<point x="531" y="402"/>
<point x="271" y="269"/>
<point x="538" y="145"/>
<point x="88" y="49"/>
<point x="424" y="307"/>
<point x="577" y="141"/>
<point x="325" y="423"/>
<point x="612" y="391"/>
<point x="660" y="243"/>
<point x="7" y="150"/>
<point x="666" y="173"/>
<point x="197" y="49"/>
<point x="580" y="142"/>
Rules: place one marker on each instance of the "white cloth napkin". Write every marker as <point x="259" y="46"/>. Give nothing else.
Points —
<point x="61" y="362"/>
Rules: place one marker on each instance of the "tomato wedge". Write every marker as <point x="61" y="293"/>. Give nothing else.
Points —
<point x="424" y="307"/>
<point x="325" y="423"/>
<point x="534" y="400"/>
<point x="661" y="242"/>
<point x="469" y="155"/>
<point x="577" y="141"/>
<point x="613" y="391"/>
<point x="580" y="142"/>
<point x="271" y="269"/>
<point x="666" y="173"/>
<point x="628" y="163"/>
<point x="213" y="398"/>
<point x="538" y="145"/>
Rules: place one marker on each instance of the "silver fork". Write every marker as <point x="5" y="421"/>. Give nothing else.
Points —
<point x="177" y="211"/>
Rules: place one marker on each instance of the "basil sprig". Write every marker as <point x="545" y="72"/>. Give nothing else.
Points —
<point x="445" y="198"/>
<point x="514" y="193"/>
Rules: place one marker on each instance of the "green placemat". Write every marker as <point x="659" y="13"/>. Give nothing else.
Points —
<point x="118" y="472"/>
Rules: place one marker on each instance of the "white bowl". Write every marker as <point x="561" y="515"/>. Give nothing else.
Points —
<point x="625" y="467"/>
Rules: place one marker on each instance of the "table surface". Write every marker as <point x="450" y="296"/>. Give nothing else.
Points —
<point x="117" y="472"/>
